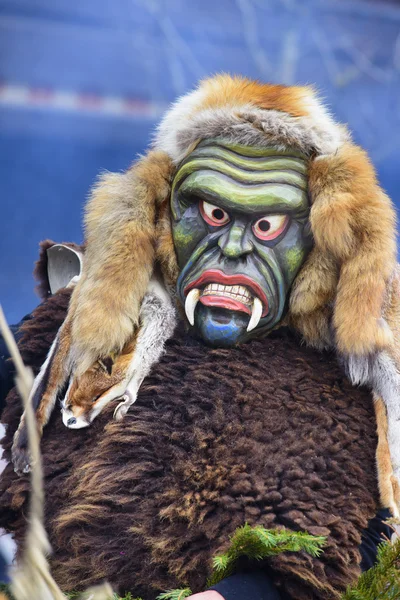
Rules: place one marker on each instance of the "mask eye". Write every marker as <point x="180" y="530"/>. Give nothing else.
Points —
<point x="269" y="228"/>
<point x="213" y="215"/>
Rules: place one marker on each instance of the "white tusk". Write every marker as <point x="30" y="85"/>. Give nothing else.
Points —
<point x="190" y="304"/>
<point x="256" y="313"/>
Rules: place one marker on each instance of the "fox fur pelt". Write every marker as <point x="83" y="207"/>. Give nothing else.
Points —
<point x="337" y="300"/>
<point x="269" y="433"/>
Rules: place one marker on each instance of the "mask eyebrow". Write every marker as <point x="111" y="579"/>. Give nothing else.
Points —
<point x="231" y="195"/>
<point x="272" y="171"/>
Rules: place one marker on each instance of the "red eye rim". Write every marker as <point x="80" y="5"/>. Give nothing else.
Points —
<point x="267" y="236"/>
<point x="208" y="219"/>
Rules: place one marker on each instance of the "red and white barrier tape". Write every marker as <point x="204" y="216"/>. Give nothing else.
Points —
<point x="24" y="96"/>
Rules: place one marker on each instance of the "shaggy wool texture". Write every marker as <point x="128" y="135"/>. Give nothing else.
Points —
<point x="269" y="433"/>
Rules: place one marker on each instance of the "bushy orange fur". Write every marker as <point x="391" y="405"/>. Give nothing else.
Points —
<point x="353" y="224"/>
<point x="120" y="233"/>
<point x="224" y="90"/>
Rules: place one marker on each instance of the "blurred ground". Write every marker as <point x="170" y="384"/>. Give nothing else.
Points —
<point x="82" y="85"/>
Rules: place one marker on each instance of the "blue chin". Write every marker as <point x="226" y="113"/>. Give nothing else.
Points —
<point x="219" y="326"/>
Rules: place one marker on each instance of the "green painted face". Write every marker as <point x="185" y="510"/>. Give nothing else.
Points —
<point x="240" y="229"/>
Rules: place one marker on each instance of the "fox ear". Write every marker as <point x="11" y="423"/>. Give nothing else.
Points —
<point x="353" y="223"/>
<point x="106" y="364"/>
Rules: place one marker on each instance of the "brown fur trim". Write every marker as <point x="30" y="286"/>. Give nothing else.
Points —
<point x="353" y="223"/>
<point x="266" y="433"/>
<point x="120" y="231"/>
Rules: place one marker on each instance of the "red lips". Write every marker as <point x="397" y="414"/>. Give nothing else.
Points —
<point x="215" y="276"/>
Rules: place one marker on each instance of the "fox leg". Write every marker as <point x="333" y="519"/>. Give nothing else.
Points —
<point x="51" y="378"/>
<point x="388" y="483"/>
<point x="119" y="257"/>
<point x="157" y="323"/>
<point x="379" y="371"/>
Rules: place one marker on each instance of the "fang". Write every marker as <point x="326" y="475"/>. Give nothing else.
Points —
<point x="256" y="313"/>
<point x="191" y="303"/>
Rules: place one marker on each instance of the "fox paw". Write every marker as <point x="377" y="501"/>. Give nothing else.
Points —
<point x="21" y="460"/>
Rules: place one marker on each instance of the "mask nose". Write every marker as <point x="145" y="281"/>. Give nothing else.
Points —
<point x="235" y="242"/>
<point x="71" y="421"/>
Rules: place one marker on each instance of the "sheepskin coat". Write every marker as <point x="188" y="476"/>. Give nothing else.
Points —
<point x="267" y="433"/>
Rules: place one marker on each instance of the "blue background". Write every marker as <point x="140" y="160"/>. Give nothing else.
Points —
<point x="151" y="51"/>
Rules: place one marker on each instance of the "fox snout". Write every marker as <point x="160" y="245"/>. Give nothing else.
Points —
<point x="73" y="421"/>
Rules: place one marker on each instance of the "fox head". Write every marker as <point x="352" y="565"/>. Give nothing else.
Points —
<point x="88" y="394"/>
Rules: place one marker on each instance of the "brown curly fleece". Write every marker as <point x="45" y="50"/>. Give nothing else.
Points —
<point x="269" y="433"/>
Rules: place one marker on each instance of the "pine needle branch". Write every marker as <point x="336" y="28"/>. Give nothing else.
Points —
<point x="381" y="581"/>
<point x="258" y="543"/>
